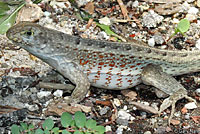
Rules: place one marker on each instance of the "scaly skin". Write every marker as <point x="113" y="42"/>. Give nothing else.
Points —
<point x="108" y="65"/>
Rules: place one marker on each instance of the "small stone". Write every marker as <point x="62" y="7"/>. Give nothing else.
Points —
<point x="47" y="14"/>
<point x="191" y="105"/>
<point x="58" y="93"/>
<point x="198" y="3"/>
<point x="125" y="108"/>
<point x="105" y="21"/>
<point x="189" y="1"/>
<point x="175" y="21"/>
<point x="193" y="10"/>
<point x="42" y="94"/>
<point x="117" y="102"/>
<point x="120" y="130"/>
<point x="151" y="42"/>
<point x="158" y="39"/>
<point x="191" y="17"/>
<point x="31" y="107"/>
<point x="135" y="4"/>
<point x="197" y="45"/>
<point x="104" y="110"/>
<point x="151" y="19"/>
<point x="147" y="132"/>
<point x="133" y="24"/>
<point x="197" y="91"/>
<point x="124" y="115"/>
<point x="108" y="128"/>
<point x="187" y="116"/>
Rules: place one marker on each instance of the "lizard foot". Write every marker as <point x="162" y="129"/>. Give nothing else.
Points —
<point x="171" y="101"/>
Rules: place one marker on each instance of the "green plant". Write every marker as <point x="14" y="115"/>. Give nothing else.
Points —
<point x="182" y="27"/>
<point x="8" y="19"/>
<point x="77" y="125"/>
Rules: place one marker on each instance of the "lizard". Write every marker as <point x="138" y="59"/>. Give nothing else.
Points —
<point x="108" y="65"/>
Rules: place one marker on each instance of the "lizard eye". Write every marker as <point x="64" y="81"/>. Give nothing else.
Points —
<point x="29" y="33"/>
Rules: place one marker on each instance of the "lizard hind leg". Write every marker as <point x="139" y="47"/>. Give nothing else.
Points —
<point x="153" y="75"/>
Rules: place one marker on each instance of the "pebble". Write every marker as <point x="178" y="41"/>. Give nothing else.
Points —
<point x="151" y="19"/>
<point x="158" y="39"/>
<point x="197" y="91"/>
<point x="58" y="93"/>
<point x="42" y="94"/>
<point x="47" y="14"/>
<point x="120" y="129"/>
<point x="198" y="3"/>
<point x="197" y="45"/>
<point x="125" y="107"/>
<point x="117" y="102"/>
<point x="105" y="21"/>
<point x="187" y="116"/>
<point x="124" y="115"/>
<point x="191" y="105"/>
<point x="104" y="110"/>
<point x="151" y="42"/>
<point x="147" y="132"/>
<point x="191" y="17"/>
<point x="108" y="128"/>
<point x="193" y="10"/>
<point x="31" y="107"/>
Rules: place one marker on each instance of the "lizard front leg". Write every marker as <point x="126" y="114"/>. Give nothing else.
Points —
<point x="73" y="72"/>
<point x="154" y="75"/>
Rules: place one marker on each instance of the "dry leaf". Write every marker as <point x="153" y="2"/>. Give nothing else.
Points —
<point x="30" y="12"/>
<point x="129" y="93"/>
<point x="89" y="7"/>
<point x="145" y="107"/>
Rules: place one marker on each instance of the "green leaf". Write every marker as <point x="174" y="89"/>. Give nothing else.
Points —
<point x="88" y="133"/>
<point x="30" y="127"/>
<point x="39" y="131"/>
<point x="80" y="119"/>
<point x="65" y="132"/>
<point x="99" y="129"/>
<point x="8" y="20"/>
<point x="37" y="1"/>
<point x="183" y="25"/>
<point x="3" y="8"/>
<point x="55" y="130"/>
<point x="72" y="124"/>
<point x="15" y="129"/>
<point x="78" y="132"/>
<point x="24" y="126"/>
<point x="90" y="123"/>
<point x="106" y="28"/>
<point x="48" y="124"/>
<point x="46" y="131"/>
<point x="66" y="119"/>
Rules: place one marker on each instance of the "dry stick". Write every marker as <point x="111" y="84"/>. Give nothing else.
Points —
<point x="124" y="10"/>
<point x="67" y="87"/>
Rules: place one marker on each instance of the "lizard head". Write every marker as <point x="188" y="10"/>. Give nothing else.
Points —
<point x="31" y="37"/>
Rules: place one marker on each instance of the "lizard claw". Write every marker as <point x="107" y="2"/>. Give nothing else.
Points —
<point x="171" y="101"/>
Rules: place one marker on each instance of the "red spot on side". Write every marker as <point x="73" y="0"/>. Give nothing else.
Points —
<point x="123" y="65"/>
<point x="121" y="56"/>
<point x="132" y="66"/>
<point x="130" y="81"/>
<point x="101" y="56"/>
<point x="101" y="63"/>
<point x="112" y="64"/>
<point x="138" y="64"/>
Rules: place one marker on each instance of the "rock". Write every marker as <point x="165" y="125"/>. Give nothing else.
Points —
<point x="58" y="93"/>
<point x="151" y="19"/>
<point x="151" y="42"/>
<point x="191" y="105"/>
<point x="42" y="94"/>
<point x="197" y="91"/>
